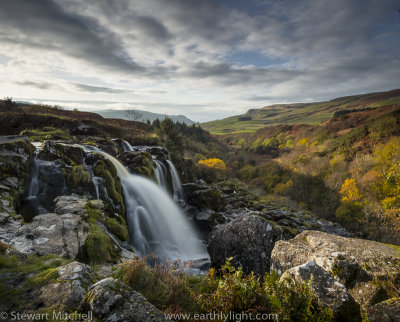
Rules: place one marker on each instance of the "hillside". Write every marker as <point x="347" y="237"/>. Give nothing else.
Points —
<point x="301" y="113"/>
<point x="144" y="116"/>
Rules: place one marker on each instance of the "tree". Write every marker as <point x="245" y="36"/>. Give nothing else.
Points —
<point x="133" y="115"/>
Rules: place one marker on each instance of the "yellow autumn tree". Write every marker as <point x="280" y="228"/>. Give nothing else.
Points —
<point x="213" y="163"/>
<point x="349" y="191"/>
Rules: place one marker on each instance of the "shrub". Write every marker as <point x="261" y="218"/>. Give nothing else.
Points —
<point x="213" y="163"/>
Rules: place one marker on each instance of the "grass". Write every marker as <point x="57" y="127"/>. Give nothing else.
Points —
<point x="303" y="113"/>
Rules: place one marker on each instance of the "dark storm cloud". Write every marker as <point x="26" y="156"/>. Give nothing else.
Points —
<point x="45" y="24"/>
<point x="99" y="89"/>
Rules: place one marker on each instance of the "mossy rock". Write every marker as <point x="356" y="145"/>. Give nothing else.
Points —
<point x="70" y="155"/>
<point x="98" y="248"/>
<point x="118" y="227"/>
<point x="140" y="163"/>
<point x="106" y="170"/>
<point x="79" y="177"/>
<point x="207" y="199"/>
<point x="46" y="133"/>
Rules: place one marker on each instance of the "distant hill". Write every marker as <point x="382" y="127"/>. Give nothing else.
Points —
<point x="300" y="113"/>
<point x="121" y="114"/>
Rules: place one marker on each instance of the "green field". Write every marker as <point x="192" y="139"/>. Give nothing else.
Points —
<point x="301" y="113"/>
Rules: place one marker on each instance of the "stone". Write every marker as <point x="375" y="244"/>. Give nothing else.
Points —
<point x="112" y="300"/>
<point x="328" y="291"/>
<point x="248" y="240"/>
<point x="69" y="288"/>
<point x="386" y="311"/>
<point x="357" y="263"/>
<point x="209" y="198"/>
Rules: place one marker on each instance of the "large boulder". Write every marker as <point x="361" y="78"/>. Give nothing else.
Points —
<point x="386" y="311"/>
<point x="112" y="300"/>
<point x="363" y="266"/>
<point x="328" y="291"/>
<point x="248" y="240"/>
<point x="67" y="288"/>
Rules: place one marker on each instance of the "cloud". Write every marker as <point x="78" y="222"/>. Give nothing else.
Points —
<point x="39" y="85"/>
<point x="178" y="53"/>
<point x="44" y="24"/>
<point x="99" y="89"/>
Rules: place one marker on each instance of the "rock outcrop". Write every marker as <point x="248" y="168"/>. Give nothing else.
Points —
<point x="363" y="266"/>
<point x="248" y="240"/>
<point x="328" y="291"/>
<point x="222" y="203"/>
<point x="112" y="300"/>
<point x="61" y="233"/>
<point x="16" y="155"/>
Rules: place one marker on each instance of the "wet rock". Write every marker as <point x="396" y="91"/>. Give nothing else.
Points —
<point x="16" y="155"/>
<point x="248" y="240"/>
<point x="386" y="311"/>
<point x="358" y="264"/>
<point x="328" y="291"/>
<point x="111" y="300"/>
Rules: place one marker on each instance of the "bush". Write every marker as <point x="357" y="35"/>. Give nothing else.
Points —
<point x="227" y="290"/>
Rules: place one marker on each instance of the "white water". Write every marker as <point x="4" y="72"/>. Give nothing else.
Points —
<point x="161" y="174"/>
<point x="34" y="185"/>
<point x="176" y="182"/>
<point x="127" y="147"/>
<point x="157" y="225"/>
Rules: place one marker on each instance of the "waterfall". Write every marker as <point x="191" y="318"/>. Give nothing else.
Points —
<point x="95" y="180"/>
<point x="127" y="147"/>
<point x="34" y="185"/>
<point x="156" y="223"/>
<point x="176" y="182"/>
<point x="161" y="174"/>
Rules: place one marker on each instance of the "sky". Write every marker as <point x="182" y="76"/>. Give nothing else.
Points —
<point x="206" y="59"/>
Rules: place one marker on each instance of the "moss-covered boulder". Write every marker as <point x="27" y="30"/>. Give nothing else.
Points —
<point x="210" y="198"/>
<point x="369" y="270"/>
<point x="328" y="292"/>
<point x="139" y="163"/>
<point x="386" y="311"/>
<point x="112" y="300"/>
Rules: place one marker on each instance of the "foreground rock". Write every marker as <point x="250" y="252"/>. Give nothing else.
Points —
<point x="111" y="300"/>
<point x="248" y="240"/>
<point x="328" y="292"/>
<point x="67" y="288"/>
<point x="365" y="267"/>
<point x="386" y="311"/>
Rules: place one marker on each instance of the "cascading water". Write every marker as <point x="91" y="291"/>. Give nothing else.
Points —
<point x="156" y="223"/>
<point x="127" y="147"/>
<point x="176" y="182"/>
<point x="161" y="174"/>
<point x="34" y="185"/>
